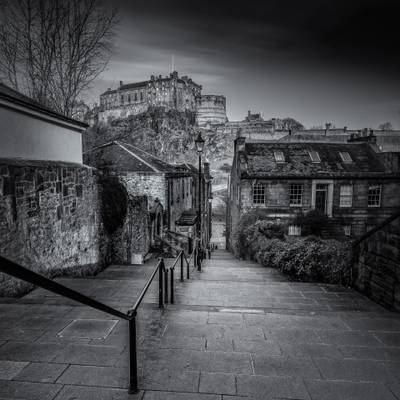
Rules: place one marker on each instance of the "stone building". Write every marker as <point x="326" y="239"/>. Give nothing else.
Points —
<point x="169" y="189"/>
<point x="211" y="110"/>
<point x="385" y="140"/>
<point x="171" y="92"/>
<point x="189" y="218"/>
<point x="355" y="185"/>
<point x="33" y="132"/>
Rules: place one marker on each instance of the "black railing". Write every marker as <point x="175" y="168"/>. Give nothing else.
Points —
<point x="11" y="268"/>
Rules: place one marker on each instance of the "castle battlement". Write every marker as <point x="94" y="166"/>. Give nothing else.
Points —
<point x="171" y="92"/>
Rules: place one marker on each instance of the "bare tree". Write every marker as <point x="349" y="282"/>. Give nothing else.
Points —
<point x="386" y="126"/>
<point x="53" y="49"/>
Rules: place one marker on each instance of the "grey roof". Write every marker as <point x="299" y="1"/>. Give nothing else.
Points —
<point x="122" y="156"/>
<point x="259" y="159"/>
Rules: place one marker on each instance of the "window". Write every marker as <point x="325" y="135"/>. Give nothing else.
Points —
<point x="294" y="230"/>
<point x="296" y="195"/>
<point x="374" y="196"/>
<point x="129" y="98"/>
<point x="141" y="96"/>
<point x="345" y="156"/>
<point x="279" y="156"/>
<point x="122" y="99"/>
<point x="314" y="156"/>
<point x="135" y="96"/>
<point x="259" y="193"/>
<point x="346" y="196"/>
<point x="347" y="230"/>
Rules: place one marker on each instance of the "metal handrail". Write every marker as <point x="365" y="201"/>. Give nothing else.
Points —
<point x="146" y="286"/>
<point x="11" y="268"/>
<point x="17" y="271"/>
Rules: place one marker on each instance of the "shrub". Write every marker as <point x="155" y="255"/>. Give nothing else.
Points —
<point x="309" y="259"/>
<point x="253" y="229"/>
<point x="311" y="223"/>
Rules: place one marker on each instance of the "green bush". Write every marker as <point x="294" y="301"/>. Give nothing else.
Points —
<point x="253" y="230"/>
<point x="309" y="259"/>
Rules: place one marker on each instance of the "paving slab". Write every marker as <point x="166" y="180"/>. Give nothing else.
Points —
<point x="88" y="329"/>
<point x="217" y="383"/>
<point x="9" y="369"/>
<point x="237" y="331"/>
<point x="95" y="393"/>
<point x="41" y="372"/>
<point x="28" y="390"/>
<point x="263" y="387"/>
<point x="333" y="390"/>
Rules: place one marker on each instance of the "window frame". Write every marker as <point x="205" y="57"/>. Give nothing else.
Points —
<point x="256" y="195"/>
<point x="318" y="158"/>
<point x="372" y="187"/>
<point x="345" y="156"/>
<point x="291" y="194"/>
<point x="342" y="196"/>
<point x="279" y="156"/>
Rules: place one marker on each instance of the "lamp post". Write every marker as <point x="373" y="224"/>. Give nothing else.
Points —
<point x="200" y="147"/>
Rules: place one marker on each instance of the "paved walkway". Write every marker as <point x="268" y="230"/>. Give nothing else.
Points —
<point x="237" y="331"/>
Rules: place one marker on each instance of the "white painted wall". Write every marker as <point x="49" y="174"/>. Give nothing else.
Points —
<point x="28" y="137"/>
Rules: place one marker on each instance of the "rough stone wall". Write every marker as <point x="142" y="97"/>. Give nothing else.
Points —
<point x="277" y="196"/>
<point x="131" y="242"/>
<point x="180" y="198"/>
<point x="152" y="185"/>
<point x="122" y="111"/>
<point x="211" y="109"/>
<point x="49" y="218"/>
<point x="377" y="266"/>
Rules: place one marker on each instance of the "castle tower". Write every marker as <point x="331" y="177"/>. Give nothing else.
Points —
<point x="211" y="109"/>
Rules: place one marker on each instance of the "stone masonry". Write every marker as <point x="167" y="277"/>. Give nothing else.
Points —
<point x="49" y="217"/>
<point x="377" y="265"/>
<point x="131" y="242"/>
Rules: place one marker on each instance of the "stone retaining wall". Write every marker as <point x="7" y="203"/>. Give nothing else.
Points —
<point x="49" y="218"/>
<point x="377" y="265"/>
<point x="52" y="222"/>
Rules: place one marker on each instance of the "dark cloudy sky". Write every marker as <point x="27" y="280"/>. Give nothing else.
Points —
<point x="317" y="61"/>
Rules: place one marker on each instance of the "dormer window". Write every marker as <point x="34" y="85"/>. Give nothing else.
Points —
<point x="314" y="156"/>
<point x="345" y="156"/>
<point x="279" y="156"/>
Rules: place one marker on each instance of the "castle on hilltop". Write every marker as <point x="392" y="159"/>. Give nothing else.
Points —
<point x="171" y="92"/>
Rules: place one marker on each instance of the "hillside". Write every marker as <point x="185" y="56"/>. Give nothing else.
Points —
<point x="168" y="134"/>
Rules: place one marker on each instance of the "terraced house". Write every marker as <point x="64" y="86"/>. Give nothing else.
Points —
<point x="354" y="184"/>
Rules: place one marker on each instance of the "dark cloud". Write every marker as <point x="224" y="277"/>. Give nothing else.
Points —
<point x="316" y="60"/>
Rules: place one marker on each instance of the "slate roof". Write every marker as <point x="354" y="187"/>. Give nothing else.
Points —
<point x="260" y="161"/>
<point x="15" y="97"/>
<point x="121" y="156"/>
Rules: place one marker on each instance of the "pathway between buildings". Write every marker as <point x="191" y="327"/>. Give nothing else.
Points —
<point x="237" y="331"/>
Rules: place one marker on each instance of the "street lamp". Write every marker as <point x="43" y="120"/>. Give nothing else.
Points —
<point x="200" y="147"/>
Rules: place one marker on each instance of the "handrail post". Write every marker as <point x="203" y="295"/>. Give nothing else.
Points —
<point x="199" y="257"/>
<point x="133" y="373"/>
<point x="166" y="285"/>
<point x="182" y="266"/>
<point x="187" y="268"/>
<point x="172" y="286"/>
<point x="160" y="284"/>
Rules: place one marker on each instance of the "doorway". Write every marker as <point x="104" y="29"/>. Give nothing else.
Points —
<point x="321" y="197"/>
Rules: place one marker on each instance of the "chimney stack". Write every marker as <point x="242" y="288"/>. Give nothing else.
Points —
<point x="121" y="83"/>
